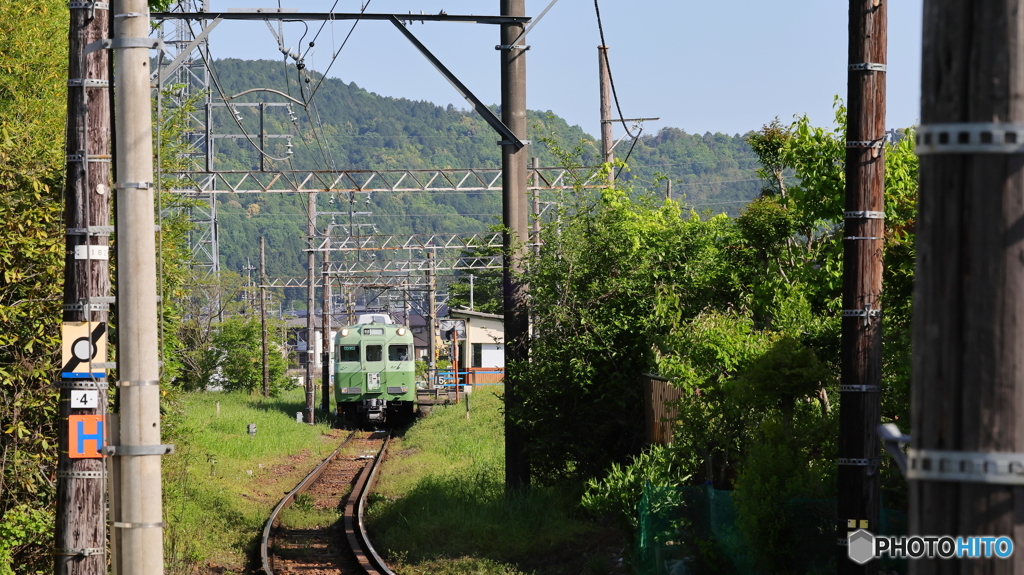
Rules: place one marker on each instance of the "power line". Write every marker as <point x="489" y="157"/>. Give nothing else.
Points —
<point x="335" y="56"/>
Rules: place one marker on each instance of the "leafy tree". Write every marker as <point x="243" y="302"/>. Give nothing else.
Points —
<point x="238" y="340"/>
<point x="595" y="315"/>
<point x="33" y="79"/>
<point x="753" y="345"/>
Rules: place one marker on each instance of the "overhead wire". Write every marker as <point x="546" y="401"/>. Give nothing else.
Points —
<point x="342" y="47"/>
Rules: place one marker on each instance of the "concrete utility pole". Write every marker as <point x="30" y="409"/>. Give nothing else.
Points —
<point x="515" y="218"/>
<point x="607" y="138"/>
<point x="80" y="534"/>
<point x="431" y="318"/>
<point x="861" y="354"/>
<point x="310" y="320"/>
<point x="968" y="325"/>
<point x="263" y="316"/>
<point x="325" y="359"/>
<point x="140" y="524"/>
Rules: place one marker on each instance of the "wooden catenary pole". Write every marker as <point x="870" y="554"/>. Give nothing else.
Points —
<point x="605" y="83"/>
<point x="861" y="355"/>
<point x="80" y="534"/>
<point x="968" y="327"/>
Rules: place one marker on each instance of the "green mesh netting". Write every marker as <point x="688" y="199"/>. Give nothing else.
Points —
<point x="693" y="531"/>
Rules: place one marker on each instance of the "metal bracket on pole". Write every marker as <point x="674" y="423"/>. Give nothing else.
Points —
<point x="479" y="106"/>
<point x="867" y="313"/>
<point x="88" y="83"/>
<point x="90" y="231"/>
<point x="86" y="307"/>
<point x="965" y="466"/>
<point x="79" y="384"/>
<point x="864" y="215"/>
<point x="866" y="67"/>
<point x="82" y="474"/>
<point x="137" y="383"/>
<point x="134" y="186"/>
<point x="861" y="388"/>
<point x="79" y="551"/>
<point x="113" y="44"/>
<point x="122" y="525"/>
<point x="865" y="143"/>
<point x="870" y="462"/>
<point x="970" y="138"/>
<point x="88" y="6"/>
<point x="131" y="450"/>
<point x="893" y="441"/>
<point x="511" y="47"/>
<point x="77" y="158"/>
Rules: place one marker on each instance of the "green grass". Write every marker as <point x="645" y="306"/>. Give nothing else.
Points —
<point x="220" y="485"/>
<point x="441" y="505"/>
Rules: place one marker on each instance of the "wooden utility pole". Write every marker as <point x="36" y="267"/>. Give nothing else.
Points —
<point x="138" y="365"/>
<point x="968" y="325"/>
<point x="515" y="218"/>
<point x="861" y="355"/>
<point x="310" y="315"/>
<point x="536" y="214"/>
<point x="431" y="318"/>
<point x="80" y="534"/>
<point x="325" y="360"/>
<point x="263" y="316"/>
<point x="607" y="138"/>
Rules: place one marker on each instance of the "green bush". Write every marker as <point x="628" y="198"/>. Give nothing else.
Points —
<point x="786" y="465"/>
<point x="239" y="340"/>
<point x="619" y="493"/>
<point x="21" y="530"/>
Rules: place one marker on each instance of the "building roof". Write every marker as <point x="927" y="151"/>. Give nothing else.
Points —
<point x="466" y="313"/>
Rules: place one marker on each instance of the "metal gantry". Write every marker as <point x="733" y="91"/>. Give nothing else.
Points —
<point x="202" y="182"/>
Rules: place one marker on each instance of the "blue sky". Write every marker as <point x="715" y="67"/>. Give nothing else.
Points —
<point x="722" y="66"/>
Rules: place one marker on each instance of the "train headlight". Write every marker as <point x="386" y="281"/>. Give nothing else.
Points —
<point x="344" y="332"/>
<point x="401" y="331"/>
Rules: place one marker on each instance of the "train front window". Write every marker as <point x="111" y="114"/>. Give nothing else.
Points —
<point x="374" y="352"/>
<point x="398" y="353"/>
<point x="349" y="353"/>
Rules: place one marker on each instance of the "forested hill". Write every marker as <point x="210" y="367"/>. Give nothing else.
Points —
<point x="351" y="128"/>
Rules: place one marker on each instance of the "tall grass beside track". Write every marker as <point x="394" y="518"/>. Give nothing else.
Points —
<point x="440" y="505"/>
<point x="220" y="485"/>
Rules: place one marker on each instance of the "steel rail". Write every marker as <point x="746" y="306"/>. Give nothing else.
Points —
<point x="355" y="530"/>
<point x="290" y="497"/>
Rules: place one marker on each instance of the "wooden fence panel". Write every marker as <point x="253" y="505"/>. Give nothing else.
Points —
<point x="658" y="416"/>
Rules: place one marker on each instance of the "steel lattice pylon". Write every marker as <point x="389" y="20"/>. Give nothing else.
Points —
<point x="190" y="80"/>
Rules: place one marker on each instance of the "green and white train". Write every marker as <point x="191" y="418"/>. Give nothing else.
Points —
<point x="374" y="372"/>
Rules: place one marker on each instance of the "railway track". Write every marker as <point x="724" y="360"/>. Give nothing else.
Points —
<point x="344" y="478"/>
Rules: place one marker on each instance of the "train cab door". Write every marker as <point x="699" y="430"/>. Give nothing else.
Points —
<point x="374" y="366"/>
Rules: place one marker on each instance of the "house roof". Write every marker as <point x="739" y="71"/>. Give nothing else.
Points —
<point x="465" y="313"/>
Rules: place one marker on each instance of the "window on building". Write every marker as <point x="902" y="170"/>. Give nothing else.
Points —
<point x="478" y="355"/>
<point x="398" y="353"/>
<point x="374" y="352"/>
<point x="348" y="353"/>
